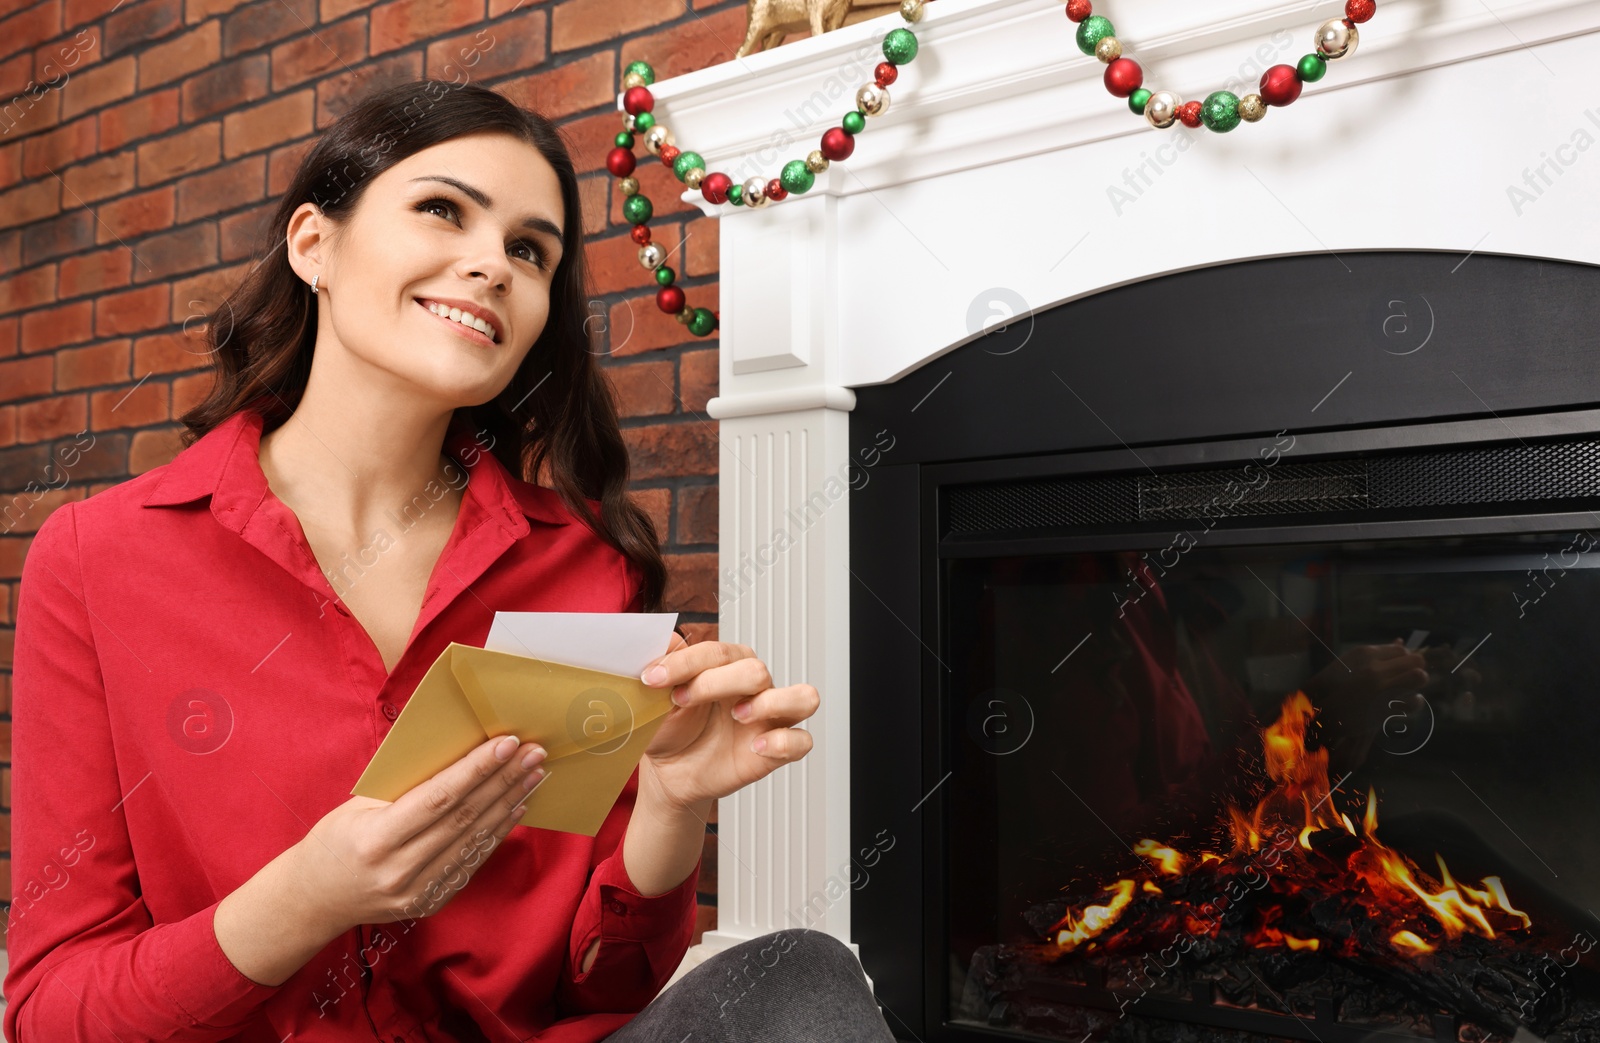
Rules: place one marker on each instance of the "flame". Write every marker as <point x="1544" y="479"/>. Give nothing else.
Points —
<point x="1297" y="806"/>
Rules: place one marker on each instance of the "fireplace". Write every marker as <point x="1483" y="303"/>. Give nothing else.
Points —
<point x="1141" y="630"/>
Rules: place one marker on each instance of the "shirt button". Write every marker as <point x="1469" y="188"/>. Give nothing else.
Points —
<point x="390" y="712"/>
<point x="616" y="906"/>
<point x="341" y="609"/>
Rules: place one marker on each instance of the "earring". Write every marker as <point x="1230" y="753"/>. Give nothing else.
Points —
<point x="314" y="279"/>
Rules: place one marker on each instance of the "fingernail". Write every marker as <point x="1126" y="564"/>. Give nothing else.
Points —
<point x="534" y="756"/>
<point x="655" y="675"/>
<point x="533" y="780"/>
<point x="681" y="696"/>
<point x="741" y="711"/>
<point x="506" y="747"/>
<point x="759" y="745"/>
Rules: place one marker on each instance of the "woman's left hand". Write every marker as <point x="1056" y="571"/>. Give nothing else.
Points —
<point x="730" y="727"/>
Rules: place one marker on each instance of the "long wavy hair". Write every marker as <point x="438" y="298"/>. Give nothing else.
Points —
<point x="262" y="335"/>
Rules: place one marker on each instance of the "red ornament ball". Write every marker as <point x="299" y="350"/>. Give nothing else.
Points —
<point x="670" y="299"/>
<point x="885" y="74"/>
<point x="1280" y="85"/>
<point x="641" y="234"/>
<point x="637" y="100"/>
<point x="669" y="153"/>
<point x="1123" y="77"/>
<point x="714" y="187"/>
<point x="776" y="192"/>
<point x="1078" y="10"/>
<point x="620" y="162"/>
<point x="1189" y="114"/>
<point x="1359" y="10"/>
<point x="837" y="143"/>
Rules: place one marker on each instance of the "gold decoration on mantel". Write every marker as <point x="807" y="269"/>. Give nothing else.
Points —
<point x="770" y="21"/>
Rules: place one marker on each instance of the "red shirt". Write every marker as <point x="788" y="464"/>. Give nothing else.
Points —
<point x="190" y="698"/>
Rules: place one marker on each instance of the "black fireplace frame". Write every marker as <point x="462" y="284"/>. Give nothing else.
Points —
<point x="1508" y="356"/>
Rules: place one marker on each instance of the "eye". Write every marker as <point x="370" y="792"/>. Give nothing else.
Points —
<point x="537" y="253"/>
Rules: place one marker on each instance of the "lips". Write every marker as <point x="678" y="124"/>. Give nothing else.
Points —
<point x="466" y="331"/>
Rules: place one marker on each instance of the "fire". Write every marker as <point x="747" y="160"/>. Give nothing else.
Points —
<point x="1285" y="824"/>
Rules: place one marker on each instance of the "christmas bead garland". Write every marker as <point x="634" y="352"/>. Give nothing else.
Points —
<point x="1222" y="110"/>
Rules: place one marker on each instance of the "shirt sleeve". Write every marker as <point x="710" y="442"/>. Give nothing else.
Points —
<point x="86" y="960"/>
<point x="642" y="939"/>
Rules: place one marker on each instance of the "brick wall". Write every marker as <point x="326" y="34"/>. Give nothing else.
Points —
<point x="136" y="181"/>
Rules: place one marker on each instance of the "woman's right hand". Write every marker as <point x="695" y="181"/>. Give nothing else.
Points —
<point x="375" y="861"/>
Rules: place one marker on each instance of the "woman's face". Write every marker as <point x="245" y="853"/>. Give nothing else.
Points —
<point x="475" y="220"/>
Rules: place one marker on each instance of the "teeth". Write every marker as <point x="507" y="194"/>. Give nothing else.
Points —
<point x="465" y="318"/>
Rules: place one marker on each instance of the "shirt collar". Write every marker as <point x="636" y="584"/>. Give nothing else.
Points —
<point x="224" y="464"/>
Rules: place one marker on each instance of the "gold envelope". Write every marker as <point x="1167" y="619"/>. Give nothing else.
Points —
<point x="594" y="727"/>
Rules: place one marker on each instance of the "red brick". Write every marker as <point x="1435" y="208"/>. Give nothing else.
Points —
<point x="10" y="163"/>
<point x="657" y="503"/>
<point x="672" y="450"/>
<point x="702" y="248"/>
<point x="133" y="311"/>
<point x="188" y="392"/>
<point x="53" y="417"/>
<point x="28" y="289"/>
<point x="96" y="272"/>
<point x="307" y="57"/>
<point x="140" y="118"/>
<point x="199" y="10"/>
<point x="99" y="86"/>
<point x="691" y="583"/>
<point x="48" y="328"/>
<point x="180" y="56"/>
<point x="401" y="23"/>
<point x="65" y="57"/>
<point x="5" y="779"/>
<point x="614" y="261"/>
<point x="194" y="149"/>
<point x="133" y="216"/>
<point x="244" y="234"/>
<point x="40" y="502"/>
<point x="582" y="83"/>
<point x="494" y="50"/>
<point x="592" y="193"/>
<point x="8" y="425"/>
<point x="579" y="23"/>
<point x="172" y="253"/>
<point x="99" y="179"/>
<point x="333" y="10"/>
<point x="11" y="250"/>
<point x="63" y="234"/>
<point x="697" y="514"/>
<point x="224" y="188"/>
<point x="267" y="21"/>
<point x="136" y="24"/>
<point x="589" y="139"/>
<point x="694" y="44"/>
<point x="25" y="378"/>
<point x="39" y="22"/>
<point x="697" y="379"/>
<point x="137" y="405"/>
<point x="282" y="119"/>
<point x="171" y="352"/>
<point x="636" y="324"/>
<point x="16" y="75"/>
<point x="642" y="388"/>
<point x="225" y="86"/>
<point x="199" y="295"/>
<point x="337" y="94"/>
<point x="151" y="449"/>
<point x="31" y="111"/>
<point x="9" y="336"/>
<point x="283" y="164"/>
<point x="81" y="11"/>
<point x="92" y="366"/>
<point x="50" y="152"/>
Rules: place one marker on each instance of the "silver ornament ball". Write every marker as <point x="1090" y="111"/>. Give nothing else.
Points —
<point x="1162" y="109"/>
<point x="652" y="256"/>
<point x="1336" y="40"/>
<point x="872" y="100"/>
<point x="656" y="138"/>
<point x="755" y="193"/>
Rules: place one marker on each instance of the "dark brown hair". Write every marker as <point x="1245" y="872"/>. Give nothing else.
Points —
<point x="565" y="422"/>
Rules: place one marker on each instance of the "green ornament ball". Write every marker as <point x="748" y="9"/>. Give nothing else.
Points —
<point x="1220" y="111"/>
<point x="854" y="122"/>
<point x="665" y="275"/>
<point x="703" y="323"/>
<point x="736" y="195"/>
<point x="644" y="121"/>
<point x="686" y="162"/>
<point x="624" y="140"/>
<point x="1312" y="68"/>
<point x="1092" y="30"/>
<point x="637" y="209"/>
<point x="1137" y="101"/>
<point x="900" y="46"/>
<point x="796" y="177"/>
<point x="643" y="69"/>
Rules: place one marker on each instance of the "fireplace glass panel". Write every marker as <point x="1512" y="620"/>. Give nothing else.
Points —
<point x="1333" y="791"/>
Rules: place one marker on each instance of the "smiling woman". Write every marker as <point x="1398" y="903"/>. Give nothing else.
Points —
<point x="195" y="682"/>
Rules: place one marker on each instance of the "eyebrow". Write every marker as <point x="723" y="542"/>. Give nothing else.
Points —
<point x="533" y="222"/>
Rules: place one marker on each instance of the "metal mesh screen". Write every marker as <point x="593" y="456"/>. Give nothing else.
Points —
<point x="1491" y="475"/>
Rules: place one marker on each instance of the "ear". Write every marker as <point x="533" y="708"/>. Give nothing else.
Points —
<point x="304" y="240"/>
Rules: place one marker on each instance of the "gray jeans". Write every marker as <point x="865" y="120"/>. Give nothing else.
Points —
<point x="791" y="986"/>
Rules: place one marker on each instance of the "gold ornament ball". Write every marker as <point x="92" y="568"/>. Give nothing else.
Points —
<point x="629" y="124"/>
<point x="1252" y="108"/>
<point x="1108" y="50"/>
<point x="652" y="256"/>
<point x="628" y="186"/>
<point x="911" y="10"/>
<point x="755" y="192"/>
<point x="686" y="314"/>
<point x="692" y="178"/>
<point x="656" y="138"/>
<point x="632" y="80"/>
<point x="816" y="162"/>
<point x="1162" y="109"/>
<point x="1336" y="40"/>
<point x="872" y="100"/>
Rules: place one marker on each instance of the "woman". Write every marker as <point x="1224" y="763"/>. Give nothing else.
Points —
<point x="208" y="655"/>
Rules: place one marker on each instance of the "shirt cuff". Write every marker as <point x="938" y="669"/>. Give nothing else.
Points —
<point x="198" y="977"/>
<point x="625" y="913"/>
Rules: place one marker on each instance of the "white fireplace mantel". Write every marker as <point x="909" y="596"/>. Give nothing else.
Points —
<point x="1004" y="180"/>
